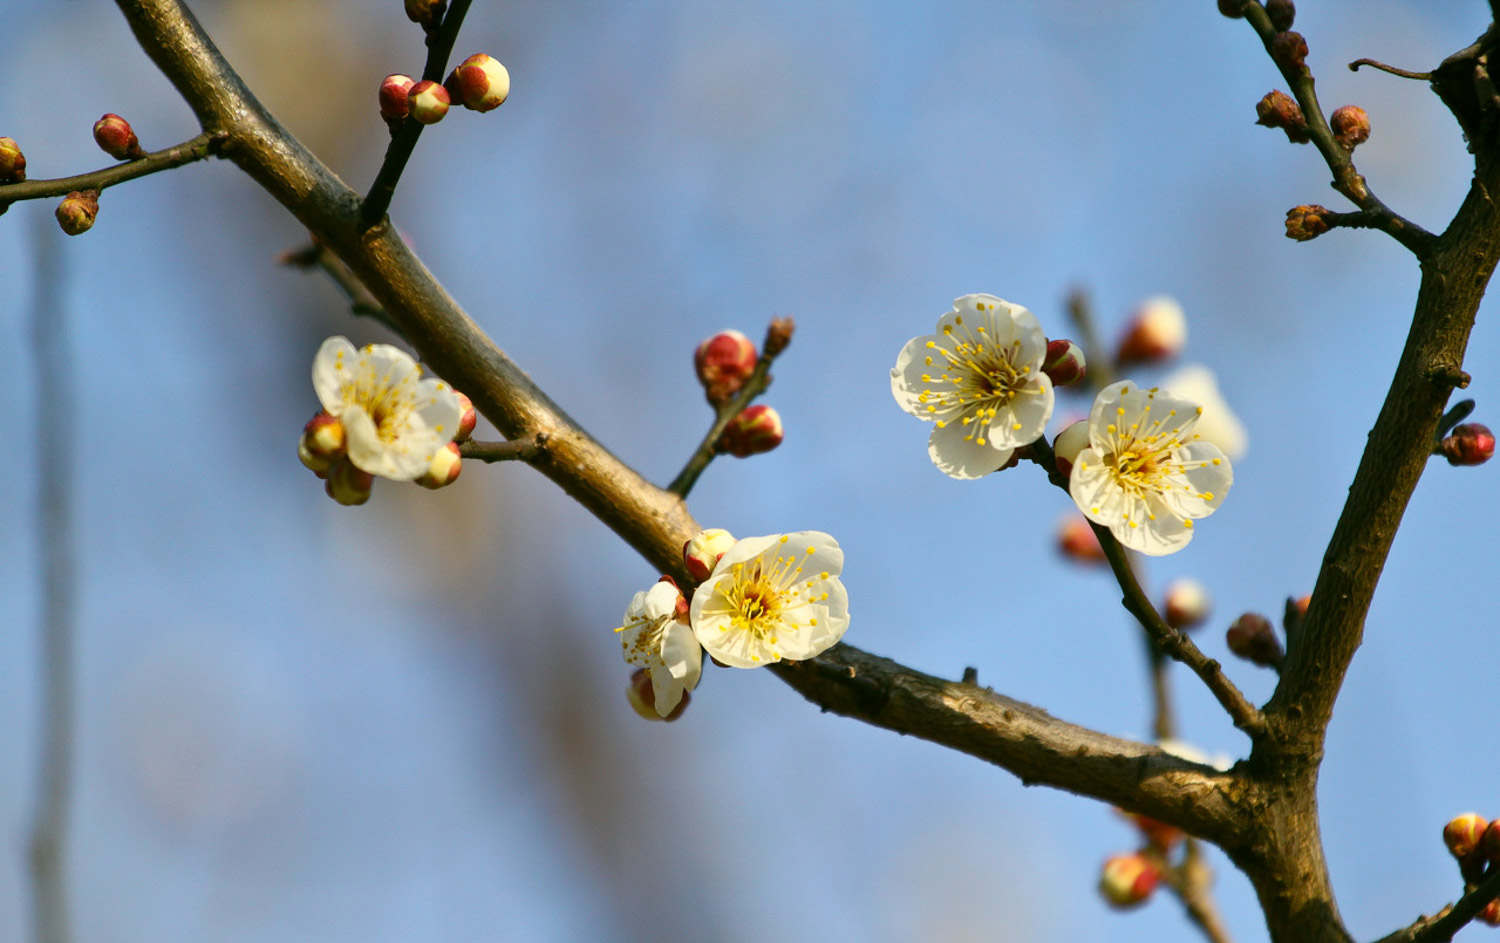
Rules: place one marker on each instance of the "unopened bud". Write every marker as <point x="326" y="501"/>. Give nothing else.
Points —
<point x="468" y="418"/>
<point x="116" y="138"/>
<point x="1281" y="13"/>
<point x="778" y="336"/>
<point x="395" y="93"/>
<point x="723" y="363"/>
<point x="77" y="211"/>
<point x="1063" y="362"/>
<point x="324" y="435"/>
<point x="1469" y="444"/>
<point x="701" y="554"/>
<point x="1234" y="9"/>
<point x="479" y="83"/>
<point x="1308" y="221"/>
<point x="428" y="102"/>
<point x="1128" y="880"/>
<point x="1187" y="604"/>
<point x="1065" y="448"/>
<point x="1489" y="843"/>
<point x="1077" y="541"/>
<point x="642" y="696"/>
<point x="1289" y="50"/>
<point x="443" y="470"/>
<point x="12" y="161"/>
<point x="425" y="13"/>
<point x="1277" y="109"/>
<point x="1490" y="914"/>
<point x="348" y="485"/>
<point x="1156" y="332"/>
<point x="755" y="430"/>
<point x="1463" y="833"/>
<point x="1159" y="835"/>
<point x="1350" y="125"/>
<point x="1252" y="638"/>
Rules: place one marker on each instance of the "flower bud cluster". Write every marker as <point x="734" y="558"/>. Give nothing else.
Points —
<point x="479" y="83"/>
<point x="1474" y="842"/>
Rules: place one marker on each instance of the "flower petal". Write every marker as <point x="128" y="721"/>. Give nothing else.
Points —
<point x="1030" y="411"/>
<point x="682" y="655"/>
<point x="332" y="370"/>
<point x="1161" y="532"/>
<point x="915" y="362"/>
<point x="957" y="454"/>
<point x="1203" y="481"/>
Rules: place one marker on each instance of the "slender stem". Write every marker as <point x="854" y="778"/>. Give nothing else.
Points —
<point x="1404" y="73"/>
<point x="755" y="384"/>
<point x="55" y="417"/>
<point x="1441" y="927"/>
<point x="520" y="450"/>
<point x="1191" y="881"/>
<point x="1101" y="369"/>
<point x="198" y="148"/>
<point x="361" y="302"/>
<point x="404" y="141"/>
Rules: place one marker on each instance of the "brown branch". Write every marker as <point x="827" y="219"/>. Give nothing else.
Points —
<point x="1441" y="927"/>
<point x="208" y="144"/>
<point x="361" y="302"/>
<point x="1404" y="73"/>
<point x="521" y="451"/>
<point x="1192" y="882"/>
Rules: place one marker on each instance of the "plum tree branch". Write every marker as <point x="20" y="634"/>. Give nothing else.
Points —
<point x="198" y="148"/>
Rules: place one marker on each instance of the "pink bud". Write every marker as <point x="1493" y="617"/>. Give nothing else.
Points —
<point x="12" y="161"/>
<point x="1463" y="833"/>
<point x="778" y="336"/>
<point x="1252" y="638"/>
<point x="428" y="102"/>
<point x="642" y="696"/>
<point x="723" y="363"/>
<point x="348" y="485"/>
<point x="479" y="83"/>
<point x="1469" y="444"/>
<point x="1077" y="541"/>
<point x="1065" y="448"/>
<point x="1128" y="880"/>
<point x="755" y="430"/>
<point x="1063" y="362"/>
<point x="395" y="92"/>
<point x="444" y="468"/>
<point x="116" y="138"/>
<point x="1156" y="332"/>
<point x="425" y="13"/>
<point x="1187" y="604"/>
<point x="467" y="420"/>
<point x="77" y="211"/>
<point x="701" y="554"/>
<point x="1350" y="126"/>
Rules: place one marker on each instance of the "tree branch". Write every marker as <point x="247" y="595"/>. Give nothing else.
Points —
<point x="1441" y="927"/>
<point x="208" y="144"/>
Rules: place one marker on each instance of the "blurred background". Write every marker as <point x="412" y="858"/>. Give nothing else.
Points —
<point x="407" y="721"/>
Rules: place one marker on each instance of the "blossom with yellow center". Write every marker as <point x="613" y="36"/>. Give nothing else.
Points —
<point x="653" y="639"/>
<point x="772" y="598"/>
<point x="1145" y="474"/>
<point x="979" y="379"/>
<point x="394" y="420"/>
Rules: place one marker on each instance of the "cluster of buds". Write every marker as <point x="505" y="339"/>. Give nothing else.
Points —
<point x="723" y="363"/>
<point x="1279" y="110"/>
<point x="1252" y="638"/>
<point x="116" y="137"/>
<point x="1468" y="444"/>
<point x="1308" y="221"/>
<point x="77" y="211"/>
<point x="479" y="83"/>
<point x="755" y="430"/>
<point x="1063" y="363"/>
<point x="1128" y="880"/>
<point x="1474" y="842"/>
<point x="12" y="161"/>
<point x="1187" y="604"/>
<point x="1156" y="332"/>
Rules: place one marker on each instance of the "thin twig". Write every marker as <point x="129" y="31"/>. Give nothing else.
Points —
<point x="1441" y="927"/>
<point x="55" y="416"/>
<point x="1404" y="73"/>
<point x="361" y="302"/>
<point x="520" y="450"/>
<point x="198" y="148"/>
<point x="1100" y="365"/>
<point x="755" y="384"/>
<point x="1191" y="881"/>
<point x="404" y="140"/>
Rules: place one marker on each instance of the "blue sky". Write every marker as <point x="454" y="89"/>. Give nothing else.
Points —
<point x="406" y="721"/>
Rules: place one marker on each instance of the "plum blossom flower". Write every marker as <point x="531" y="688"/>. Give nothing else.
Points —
<point x="394" y="420"/>
<point x="1145" y="475"/>
<point x="653" y="639"/>
<point x="979" y="379"/>
<point x="771" y="598"/>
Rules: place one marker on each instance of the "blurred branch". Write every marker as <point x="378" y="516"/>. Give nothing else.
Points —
<point x="1441" y="927"/>
<point x="208" y="144"/>
<point x="361" y="302"/>
<point x="1192" y="882"/>
<point x="56" y="416"/>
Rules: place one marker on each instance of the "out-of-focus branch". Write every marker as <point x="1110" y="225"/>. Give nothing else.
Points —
<point x="360" y="300"/>
<point x="203" y="146"/>
<point x="55" y="417"/>
<point x="1192" y="882"/>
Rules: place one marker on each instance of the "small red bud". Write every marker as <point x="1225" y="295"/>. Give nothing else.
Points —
<point x="428" y="102"/>
<point x="1350" y="126"/>
<point x="701" y="554"/>
<point x="479" y="83"/>
<point x="443" y="471"/>
<point x="1187" y="604"/>
<point x="467" y="419"/>
<point x="116" y="138"/>
<point x="1158" y="835"/>
<point x="1489" y="843"/>
<point x="723" y="363"/>
<point x="1469" y="444"/>
<point x="778" y="336"/>
<point x="12" y="161"/>
<point x="348" y="485"/>
<point x="642" y="696"/>
<point x="1128" y="880"/>
<point x="1277" y="109"/>
<point x="1077" y="541"/>
<point x="1463" y="834"/>
<point x="1065" y="448"/>
<point x="77" y="211"/>
<point x="1289" y="50"/>
<point x="1308" y="221"/>
<point x="1490" y="914"/>
<point x="1252" y="638"/>
<point x="1064" y="362"/>
<point x="395" y="91"/>
<point x="425" y="13"/>
<point x="1156" y="332"/>
<point x="322" y="443"/>
<point x="1281" y="12"/>
<point x="755" y="430"/>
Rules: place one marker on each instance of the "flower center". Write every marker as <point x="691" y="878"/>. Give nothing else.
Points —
<point x="978" y="376"/>
<point x="756" y="598"/>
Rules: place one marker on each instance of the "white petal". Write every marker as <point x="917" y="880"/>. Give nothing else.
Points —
<point x="1033" y="341"/>
<point x="1161" y="532"/>
<point x="960" y="457"/>
<point x="1093" y="488"/>
<point x="1218" y="424"/>
<point x="833" y="620"/>
<point x="666" y="691"/>
<point x="1031" y="410"/>
<point x="332" y="369"/>
<point x="682" y="655"/>
<point x="660" y="600"/>
<point x="366" y="450"/>
<point x="915" y="361"/>
<point x="1104" y="410"/>
<point x="1203" y="483"/>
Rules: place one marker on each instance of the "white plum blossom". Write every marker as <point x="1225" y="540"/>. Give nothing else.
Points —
<point x="1146" y="475"/>
<point x="979" y="379"/>
<point x="393" y="418"/>
<point x="1218" y="424"/>
<point x="772" y="598"/>
<point x="653" y="639"/>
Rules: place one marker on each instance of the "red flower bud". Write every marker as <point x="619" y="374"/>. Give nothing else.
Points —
<point x="1308" y="221"/>
<point x="322" y="443"/>
<point x="1187" y="604"/>
<point x="428" y="102"/>
<point x="1281" y="12"/>
<point x="468" y="418"/>
<point x="1469" y="444"/>
<point x="1490" y="914"/>
<point x="425" y="13"/>
<point x="1128" y="880"/>
<point x="1350" y="125"/>
<point x="12" y="161"/>
<point x="755" y="430"/>
<point x="1252" y="638"/>
<point x="1157" y="331"/>
<point x="701" y="554"/>
<point x="1063" y="362"/>
<point x="116" y="138"/>
<point x="1065" y="448"/>
<point x="1280" y="110"/>
<point x="778" y="336"/>
<point x="723" y="363"/>
<point x="77" y="211"/>
<point x="1077" y="541"/>
<point x="443" y="471"/>
<point x="1463" y="833"/>
<point x="395" y="92"/>
<point x="1234" y="9"/>
<point x="479" y="83"/>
